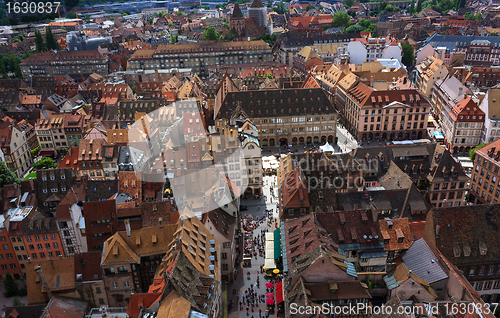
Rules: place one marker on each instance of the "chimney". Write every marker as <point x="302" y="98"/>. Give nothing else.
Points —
<point x="44" y="282"/>
<point x="127" y="227"/>
<point x="437" y="230"/>
<point x="409" y="273"/>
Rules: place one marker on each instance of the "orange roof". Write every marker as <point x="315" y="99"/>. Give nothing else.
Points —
<point x="63" y="23"/>
<point x="70" y="160"/>
<point x="139" y="301"/>
<point x="31" y="99"/>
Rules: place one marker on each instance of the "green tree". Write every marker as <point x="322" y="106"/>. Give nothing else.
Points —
<point x="348" y="3"/>
<point x="355" y="28"/>
<point x="280" y="8"/>
<point x="419" y="6"/>
<point x="226" y="25"/>
<point x="11" y="287"/>
<point x="211" y="34"/>
<point x="206" y="7"/>
<point x="341" y="19"/>
<point x="472" y="152"/>
<point x="51" y="41"/>
<point x="71" y="15"/>
<point x="310" y="7"/>
<point x="7" y="176"/>
<point x="17" y="303"/>
<point x="411" y="8"/>
<point x="408" y="57"/>
<point x="40" y="44"/>
<point x="229" y="37"/>
<point x="44" y="163"/>
<point x="494" y="34"/>
<point x="179" y="13"/>
<point x="34" y="152"/>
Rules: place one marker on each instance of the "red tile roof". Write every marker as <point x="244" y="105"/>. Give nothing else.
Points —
<point x="141" y="301"/>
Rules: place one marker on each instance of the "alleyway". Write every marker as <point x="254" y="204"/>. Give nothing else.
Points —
<point x="241" y="282"/>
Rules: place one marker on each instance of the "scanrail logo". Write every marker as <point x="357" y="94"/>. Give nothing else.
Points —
<point x="202" y="170"/>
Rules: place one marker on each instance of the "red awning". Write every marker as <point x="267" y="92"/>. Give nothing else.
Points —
<point x="46" y="153"/>
<point x="279" y="292"/>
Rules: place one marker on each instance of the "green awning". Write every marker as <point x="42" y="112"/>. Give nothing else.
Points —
<point x="277" y="244"/>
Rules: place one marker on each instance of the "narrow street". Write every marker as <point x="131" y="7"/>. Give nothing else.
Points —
<point x="243" y="281"/>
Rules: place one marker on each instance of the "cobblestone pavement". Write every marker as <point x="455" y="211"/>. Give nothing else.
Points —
<point x="241" y="282"/>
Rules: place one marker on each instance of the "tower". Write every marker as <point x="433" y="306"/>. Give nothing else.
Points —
<point x="258" y="11"/>
<point x="237" y="21"/>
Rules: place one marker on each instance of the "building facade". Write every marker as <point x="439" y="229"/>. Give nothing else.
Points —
<point x="64" y="62"/>
<point x="199" y="56"/>
<point x="370" y="49"/>
<point x="485" y="179"/>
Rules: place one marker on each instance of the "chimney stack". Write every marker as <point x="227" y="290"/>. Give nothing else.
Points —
<point x="127" y="227"/>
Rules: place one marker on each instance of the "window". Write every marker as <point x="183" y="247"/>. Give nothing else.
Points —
<point x="224" y="267"/>
<point x="126" y="284"/>
<point x="33" y="255"/>
<point x="227" y="245"/>
<point x="114" y="285"/>
<point x="32" y="248"/>
<point x="28" y="238"/>
<point x="5" y="246"/>
<point x="53" y="236"/>
<point x="224" y="255"/>
<point x="58" y="253"/>
<point x="98" y="290"/>
<point x="39" y="246"/>
<point x="42" y="255"/>
<point x="55" y="245"/>
<point x="45" y="238"/>
<point x="37" y="238"/>
<point x="47" y="245"/>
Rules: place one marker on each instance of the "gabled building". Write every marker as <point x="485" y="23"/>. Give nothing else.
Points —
<point x="406" y="285"/>
<point x="15" y="149"/>
<point x="463" y="126"/>
<point x="130" y="260"/>
<point x="90" y="158"/>
<point x="491" y="109"/>
<point x="429" y="71"/>
<point x="88" y="280"/>
<point x="370" y="49"/>
<point x="485" y="178"/>
<point x="293" y="195"/>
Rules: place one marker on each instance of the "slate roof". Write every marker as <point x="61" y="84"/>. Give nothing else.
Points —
<point x="423" y="262"/>
<point x="451" y="42"/>
<point x="24" y="311"/>
<point x="274" y="103"/>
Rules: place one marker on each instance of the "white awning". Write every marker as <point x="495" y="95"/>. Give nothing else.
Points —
<point x="269" y="264"/>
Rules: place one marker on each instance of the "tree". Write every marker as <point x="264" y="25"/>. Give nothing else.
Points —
<point x="229" y="37"/>
<point x="211" y="34"/>
<point x="17" y="303"/>
<point x="353" y="28"/>
<point x="419" y="6"/>
<point x="10" y="285"/>
<point x="44" y="163"/>
<point x="34" y="152"/>
<point x="348" y="3"/>
<point x="310" y="7"/>
<point x="494" y="34"/>
<point x="71" y="15"/>
<point x="7" y="176"/>
<point x="226" y="25"/>
<point x="411" y="8"/>
<point x="40" y="44"/>
<point x="51" y="41"/>
<point x="472" y="152"/>
<point x="280" y="8"/>
<point x="408" y="57"/>
<point x="179" y="13"/>
<point x="341" y="19"/>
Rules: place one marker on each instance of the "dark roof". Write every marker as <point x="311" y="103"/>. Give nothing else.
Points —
<point x="88" y="265"/>
<point x="319" y="292"/>
<point x="257" y="4"/>
<point x="38" y="222"/>
<point x="351" y="226"/>
<point x="100" y="190"/>
<point x="99" y="210"/>
<point x="277" y="102"/>
<point x="237" y="12"/>
<point x="24" y="311"/>
<point x="467" y="235"/>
